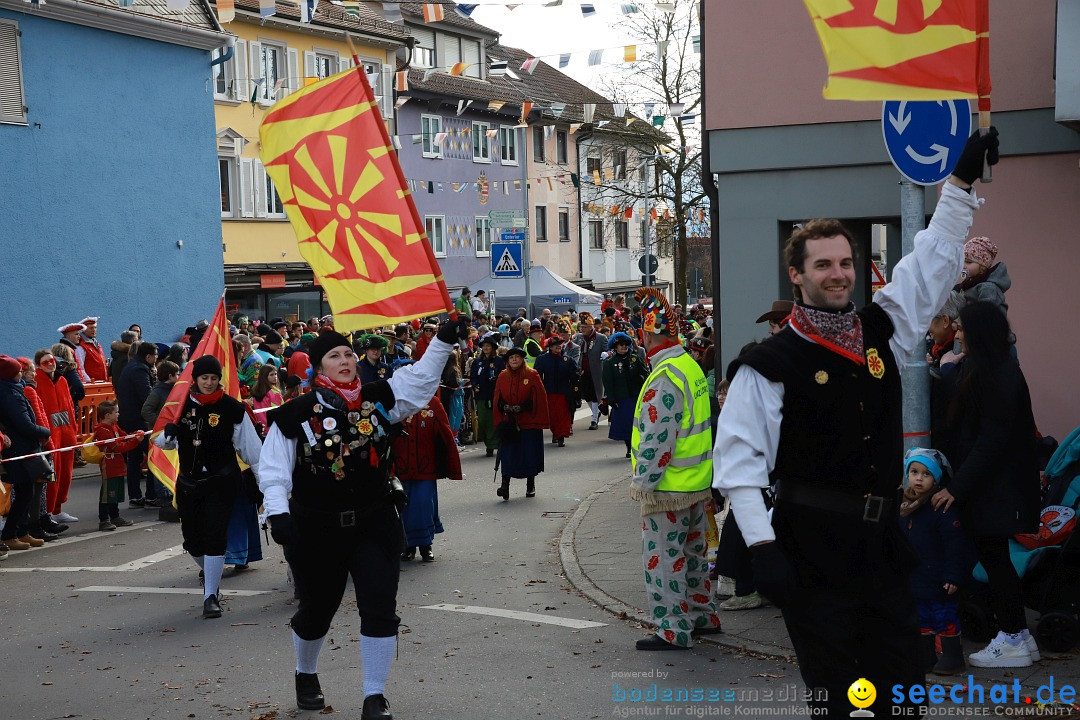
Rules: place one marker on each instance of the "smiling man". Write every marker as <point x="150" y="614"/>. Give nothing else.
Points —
<point x="816" y="411"/>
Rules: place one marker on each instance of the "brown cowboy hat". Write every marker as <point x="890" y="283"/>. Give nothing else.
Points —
<point x="780" y="309"/>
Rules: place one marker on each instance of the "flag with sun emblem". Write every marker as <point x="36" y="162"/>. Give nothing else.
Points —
<point x="330" y="158"/>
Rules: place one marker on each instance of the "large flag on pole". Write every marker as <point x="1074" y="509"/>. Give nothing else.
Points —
<point x="217" y="342"/>
<point x="337" y="174"/>
<point x="898" y="49"/>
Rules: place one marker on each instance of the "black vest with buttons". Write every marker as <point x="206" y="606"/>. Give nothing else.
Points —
<point x="204" y="438"/>
<point x="841" y="428"/>
<point x="342" y="456"/>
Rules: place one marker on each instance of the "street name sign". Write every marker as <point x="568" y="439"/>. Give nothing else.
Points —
<point x="507" y="218"/>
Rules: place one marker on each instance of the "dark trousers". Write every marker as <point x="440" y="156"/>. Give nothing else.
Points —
<point x="205" y="509"/>
<point x="18" y="519"/>
<point x="1006" y="598"/>
<point x="733" y="557"/>
<point x="325" y="557"/>
<point x="868" y="631"/>
<point x="134" y="473"/>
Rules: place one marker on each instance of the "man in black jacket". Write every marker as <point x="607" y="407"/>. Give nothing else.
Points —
<point x="132" y="389"/>
<point x="25" y="436"/>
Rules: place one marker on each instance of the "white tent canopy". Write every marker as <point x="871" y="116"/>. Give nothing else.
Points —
<point x="548" y="291"/>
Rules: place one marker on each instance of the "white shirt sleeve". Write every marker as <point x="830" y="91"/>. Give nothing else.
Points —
<point x="414" y="385"/>
<point x="922" y="279"/>
<point x="276" y="463"/>
<point x="80" y="357"/>
<point x="747" y="436"/>
<point x="248" y="446"/>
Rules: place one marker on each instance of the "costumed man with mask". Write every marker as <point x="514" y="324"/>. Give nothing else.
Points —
<point x="371" y="365"/>
<point x="331" y="502"/>
<point x="483" y="373"/>
<point x="671" y="461"/>
<point x="817" y="410"/>
<point x="210" y="431"/>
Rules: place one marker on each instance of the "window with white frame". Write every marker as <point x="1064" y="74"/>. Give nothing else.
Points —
<point x="564" y="224"/>
<point x="423" y="54"/>
<point x="274" y="67"/>
<point x="622" y="235"/>
<point x="540" y="226"/>
<point x="483" y="237"/>
<point x="430" y="126"/>
<point x="508" y="145"/>
<point x="433" y="225"/>
<point x="227" y="178"/>
<point x="225" y="76"/>
<point x="481" y="143"/>
<point x="379" y="77"/>
<point x="562" y="144"/>
<point x="618" y="161"/>
<point x="596" y="234"/>
<point x="539" y="144"/>
<point x="593" y="165"/>
<point x="325" y="64"/>
<point x="12" y="102"/>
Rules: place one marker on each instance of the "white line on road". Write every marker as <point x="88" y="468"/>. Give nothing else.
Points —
<point x="516" y="615"/>
<point x="165" y="591"/>
<point x="126" y="567"/>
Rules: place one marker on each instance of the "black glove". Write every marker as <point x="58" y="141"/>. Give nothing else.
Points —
<point x="772" y="573"/>
<point x="170" y="431"/>
<point x="282" y="529"/>
<point x="453" y="331"/>
<point x="969" y="167"/>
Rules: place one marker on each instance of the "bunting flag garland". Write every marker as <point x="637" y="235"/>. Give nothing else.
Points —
<point x="630" y="53"/>
<point x="496" y="105"/>
<point x="497" y="68"/>
<point x="465" y="10"/>
<point x="433" y="12"/>
<point x="352" y="8"/>
<point x="587" y="111"/>
<point x="687" y="119"/>
<point x="307" y="10"/>
<point x="131" y="3"/>
<point x="179" y="4"/>
<point x="226" y="11"/>
<point x="661" y="47"/>
<point x="266" y="7"/>
<point x="587" y="10"/>
<point x="557" y="109"/>
<point x="619" y="109"/>
<point x="328" y="152"/>
<point x="596" y="177"/>
<point x="401" y="80"/>
<point x="529" y="65"/>
<point x="216" y="342"/>
<point x="658" y="120"/>
<point x="695" y="41"/>
<point x="458" y="68"/>
<point x="668" y="7"/>
<point x="526" y="108"/>
<point x="929" y="52"/>
<point x="628" y="8"/>
<point x="629" y="213"/>
<point x="564" y="60"/>
<point x="675" y="109"/>
<point x="596" y="57"/>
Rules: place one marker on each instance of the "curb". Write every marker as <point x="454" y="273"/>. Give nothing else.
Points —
<point x="583" y="584"/>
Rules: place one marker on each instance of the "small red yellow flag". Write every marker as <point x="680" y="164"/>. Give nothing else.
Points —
<point x="165" y="464"/>
<point x="897" y="49"/>
<point x="433" y="12"/>
<point x="337" y="174"/>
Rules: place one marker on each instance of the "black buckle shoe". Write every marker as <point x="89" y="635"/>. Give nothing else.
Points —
<point x="211" y="608"/>
<point x="376" y="708"/>
<point x="409" y="554"/>
<point x="655" y="642"/>
<point x="425" y="553"/>
<point x="503" y="491"/>
<point x="308" y="692"/>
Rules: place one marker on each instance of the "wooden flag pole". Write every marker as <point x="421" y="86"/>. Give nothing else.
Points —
<point x="982" y="74"/>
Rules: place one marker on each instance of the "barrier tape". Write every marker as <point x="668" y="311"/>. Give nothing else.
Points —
<point x="73" y="447"/>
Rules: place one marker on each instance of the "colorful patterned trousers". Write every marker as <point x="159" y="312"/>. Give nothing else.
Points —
<point x="677" y="573"/>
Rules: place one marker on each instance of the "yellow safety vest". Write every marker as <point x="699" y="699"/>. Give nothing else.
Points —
<point x="690" y="469"/>
<point x="530" y="360"/>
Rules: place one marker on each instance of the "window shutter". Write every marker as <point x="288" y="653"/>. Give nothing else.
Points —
<point x="292" y="84"/>
<point x="344" y="63"/>
<point x="12" y="103"/>
<point x="259" y="173"/>
<point x="451" y="52"/>
<point x="386" y="103"/>
<point x="255" y="63"/>
<point x="240" y="64"/>
<point x="424" y="39"/>
<point x="247" y="196"/>
<point x="470" y="54"/>
<point x="310" y="70"/>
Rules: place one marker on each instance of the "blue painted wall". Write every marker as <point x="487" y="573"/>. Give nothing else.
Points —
<point x="461" y="265"/>
<point x="118" y="163"/>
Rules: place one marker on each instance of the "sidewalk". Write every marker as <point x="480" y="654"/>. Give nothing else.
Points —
<point x="600" y="550"/>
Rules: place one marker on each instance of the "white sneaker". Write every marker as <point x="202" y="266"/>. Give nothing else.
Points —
<point x="1032" y="648"/>
<point x="63" y="517"/>
<point x="1001" y="653"/>
<point x="741" y="602"/>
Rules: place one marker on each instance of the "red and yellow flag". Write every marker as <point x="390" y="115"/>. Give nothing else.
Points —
<point x="433" y="12"/>
<point x="165" y="464"/>
<point x="897" y="49"/>
<point x="337" y="174"/>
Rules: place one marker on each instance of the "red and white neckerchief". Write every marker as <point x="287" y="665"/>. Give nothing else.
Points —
<point x="839" y="332"/>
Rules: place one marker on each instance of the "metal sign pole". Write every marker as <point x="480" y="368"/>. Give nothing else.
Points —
<point x="526" y="254"/>
<point x="914" y="375"/>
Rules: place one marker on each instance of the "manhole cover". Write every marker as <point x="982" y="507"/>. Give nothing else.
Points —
<point x="555" y="514"/>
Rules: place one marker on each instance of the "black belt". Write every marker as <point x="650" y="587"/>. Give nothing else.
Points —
<point x="343" y="519"/>
<point x="869" y="508"/>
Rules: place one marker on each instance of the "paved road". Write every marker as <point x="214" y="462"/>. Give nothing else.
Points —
<point x="137" y="647"/>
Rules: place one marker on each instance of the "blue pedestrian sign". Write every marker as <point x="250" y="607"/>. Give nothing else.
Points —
<point x="925" y="138"/>
<point x="506" y="260"/>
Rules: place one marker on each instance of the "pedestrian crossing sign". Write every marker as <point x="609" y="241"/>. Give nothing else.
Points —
<point x="506" y="260"/>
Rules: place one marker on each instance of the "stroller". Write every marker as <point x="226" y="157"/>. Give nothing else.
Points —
<point x="1048" y="564"/>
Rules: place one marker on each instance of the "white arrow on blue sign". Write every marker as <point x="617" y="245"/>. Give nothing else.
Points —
<point x="925" y="138"/>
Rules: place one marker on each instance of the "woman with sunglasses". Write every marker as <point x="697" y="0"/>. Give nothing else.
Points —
<point x="52" y="387"/>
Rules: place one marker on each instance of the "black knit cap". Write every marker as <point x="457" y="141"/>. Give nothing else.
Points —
<point x="205" y="365"/>
<point x="326" y="342"/>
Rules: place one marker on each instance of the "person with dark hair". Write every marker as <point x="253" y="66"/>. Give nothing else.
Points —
<point x="21" y="436"/>
<point x="132" y="390"/>
<point x="178" y="355"/>
<point x="817" y="410"/>
<point x="624" y="374"/>
<point x="113" y="442"/>
<point x="521" y="416"/>
<point x="991" y="441"/>
<point x="372" y="365"/>
<point x="330" y="501"/>
<point x="483" y="373"/>
<point x="560" y="377"/>
<point x="167" y="374"/>
<point x="119" y="350"/>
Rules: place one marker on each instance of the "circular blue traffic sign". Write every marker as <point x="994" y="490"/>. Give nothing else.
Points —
<point x="925" y="138"/>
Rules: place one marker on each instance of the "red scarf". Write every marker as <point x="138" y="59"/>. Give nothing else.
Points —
<point x="208" y="399"/>
<point x="668" y="342"/>
<point x="349" y="392"/>
<point x="839" y="332"/>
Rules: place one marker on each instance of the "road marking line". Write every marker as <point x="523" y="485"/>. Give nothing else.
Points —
<point x="63" y="541"/>
<point x="138" y="564"/>
<point x="166" y="591"/>
<point x="516" y="615"/>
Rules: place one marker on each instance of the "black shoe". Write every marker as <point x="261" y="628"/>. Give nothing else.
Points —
<point x="153" y="503"/>
<point x="562" y="442"/>
<point x="136" y="503"/>
<point x="491" y="452"/>
<point x="308" y="692"/>
<point x="628" y="453"/>
<point x="51" y="526"/>
<point x="592" y="425"/>
<point x="699" y="632"/>
<point x="426" y="554"/>
<point x="42" y="535"/>
<point x="376" y="708"/>
<point x="530" y="488"/>
<point x="240" y="568"/>
<point x="655" y="642"/>
<point x="409" y="554"/>
<point x="503" y="491"/>
<point x="211" y="608"/>
<point x="554" y="440"/>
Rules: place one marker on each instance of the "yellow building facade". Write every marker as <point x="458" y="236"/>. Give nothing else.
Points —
<point x="265" y="276"/>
